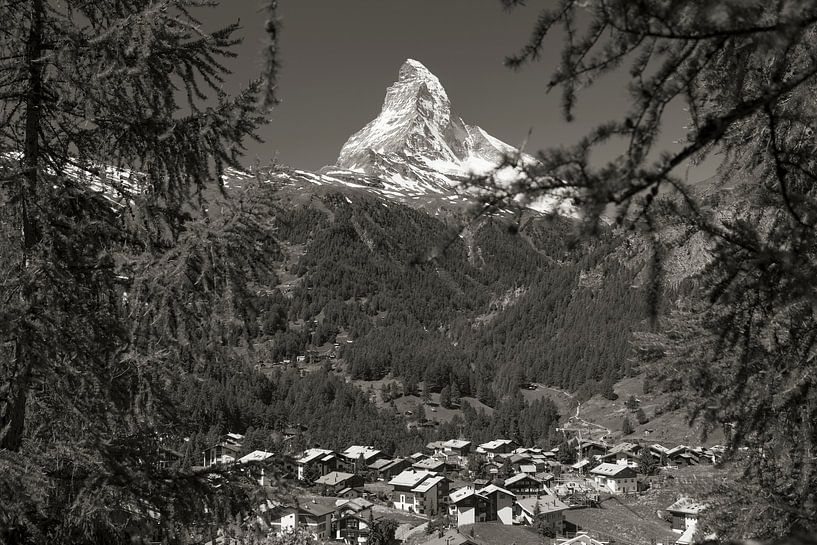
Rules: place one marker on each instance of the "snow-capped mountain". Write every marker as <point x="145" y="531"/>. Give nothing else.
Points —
<point x="417" y="144"/>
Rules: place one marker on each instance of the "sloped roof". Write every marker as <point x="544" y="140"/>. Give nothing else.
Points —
<point x="547" y="504"/>
<point x="609" y="470"/>
<point x="457" y="443"/>
<point x="317" y="509"/>
<point x="411" y="477"/>
<point x="495" y="444"/>
<point x="519" y="477"/>
<point x="492" y="488"/>
<point x="463" y="493"/>
<point x="313" y="454"/>
<point x="333" y="478"/>
<point x="354" y="452"/>
<point x="687" y="506"/>
<point x="428" y="484"/>
<point x="255" y="456"/>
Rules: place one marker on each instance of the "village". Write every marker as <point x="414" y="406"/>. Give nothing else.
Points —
<point x="455" y="492"/>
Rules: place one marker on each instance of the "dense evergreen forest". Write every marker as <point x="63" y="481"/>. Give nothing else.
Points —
<point x="395" y="292"/>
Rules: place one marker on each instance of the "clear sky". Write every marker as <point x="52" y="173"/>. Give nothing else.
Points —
<point x="338" y="57"/>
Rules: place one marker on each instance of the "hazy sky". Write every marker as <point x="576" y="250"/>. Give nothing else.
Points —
<point x="338" y="57"/>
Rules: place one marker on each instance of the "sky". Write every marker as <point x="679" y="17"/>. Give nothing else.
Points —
<point x="339" y="56"/>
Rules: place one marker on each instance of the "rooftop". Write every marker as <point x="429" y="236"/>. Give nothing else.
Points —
<point x="255" y="456"/>
<point x="428" y="484"/>
<point x="609" y="470"/>
<point x="354" y="452"/>
<point x="333" y="478"/>
<point x="491" y="488"/>
<point x="519" y="477"/>
<point x="687" y="506"/>
<point x="463" y="493"/>
<point x="411" y="477"/>
<point x="547" y="504"/>
<point x="495" y="444"/>
<point x="313" y="454"/>
<point x="457" y="443"/>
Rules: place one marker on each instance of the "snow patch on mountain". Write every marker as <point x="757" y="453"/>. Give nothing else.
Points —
<point x="417" y="145"/>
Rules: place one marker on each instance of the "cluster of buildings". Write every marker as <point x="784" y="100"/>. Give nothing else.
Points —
<point x="508" y="484"/>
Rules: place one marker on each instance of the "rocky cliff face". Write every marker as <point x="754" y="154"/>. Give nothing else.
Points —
<point x="416" y="143"/>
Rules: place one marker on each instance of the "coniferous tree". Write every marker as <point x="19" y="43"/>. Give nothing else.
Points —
<point x="113" y="131"/>
<point x="746" y="74"/>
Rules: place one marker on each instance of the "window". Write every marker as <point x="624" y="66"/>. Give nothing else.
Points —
<point x="402" y="498"/>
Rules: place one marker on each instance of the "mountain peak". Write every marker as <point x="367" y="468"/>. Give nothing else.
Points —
<point x="416" y="139"/>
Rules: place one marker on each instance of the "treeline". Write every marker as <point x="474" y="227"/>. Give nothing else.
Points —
<point x="425" y="309"/>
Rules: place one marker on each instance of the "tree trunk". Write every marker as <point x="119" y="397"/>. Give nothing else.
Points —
<point x="17" y="377"/>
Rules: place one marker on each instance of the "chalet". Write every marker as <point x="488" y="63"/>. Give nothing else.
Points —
<point x="349" y="493"/>
<point x="547" y="479"/>
<point x="256" y="457"/>
<point x="354" y="521"/>
<point x="431" y="495"/>
<point x="615" y="478"/>
<point x="315" y="518"/>
<point x="528" y="469"/>
<point x="430" y="464"/>
<point x="589" y="449"/>
<point x="352" y="456"/>
<point x="335" y="481"/>
<point x="497" y="446"/>
<point x="500" y="503"/>
<point x="459" y="447"/>
<point x="685" y="513"/>
<point x="549" y="510"/>
<point x="622" y="453"/>
<point x="419" y="491"/>
<point x="224" y="452"/>
<point x="523" y="484"/>
<point x="436" y="447"/>
<point x="391" y="468"/>
<point x="468" y="506"/>
<point x="581" y="466"/>
<point x="354" y="529"/>
<point x="315" y="462"/>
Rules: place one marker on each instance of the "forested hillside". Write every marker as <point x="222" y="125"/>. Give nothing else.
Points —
<point x="487" y="309"/>
<point x="395" y="292"/>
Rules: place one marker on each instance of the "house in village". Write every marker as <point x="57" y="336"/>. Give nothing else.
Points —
<point x="615" y="478"/>
<point x="430" y="464"/>
<point x="623" y="453"/>
<point x="358" y="455"/>
<point x="315" y="518"/>
<point x="500" y="503"/>
<point x="385" y="469"/>
<point x="467" y="506"/>
<point x="419" y="491"/>
<point x="225" y="451"/>
<point x="457" y="447"/>
<point x="255" y="457"/>
<point x="436" y="447"/>
<point x="523" y="484"/>
<point x="334" y="482"/>
<point x="547" y="509"/>
<point x="354" y="520"/>
<point x="491" y="449"/>
<point x="315" y="462"/>
<point x="590" y="449"/>
<point x="685" y="513"/>
<point x="582" y="466"/>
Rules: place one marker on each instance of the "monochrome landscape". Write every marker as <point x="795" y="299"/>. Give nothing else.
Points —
<point x="487" y="321"/>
